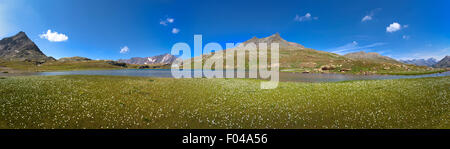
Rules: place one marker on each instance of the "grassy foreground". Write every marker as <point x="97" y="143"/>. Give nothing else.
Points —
<point x="135" y="102"/>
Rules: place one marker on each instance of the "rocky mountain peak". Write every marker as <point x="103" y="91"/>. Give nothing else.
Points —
<point x="20" y="48"/>
<point x="444" y="63"/>
<point x="275" y="38"/>
<point x="21" y="34"/>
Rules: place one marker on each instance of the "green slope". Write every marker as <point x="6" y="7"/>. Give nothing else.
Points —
<point x="296" y="58"/>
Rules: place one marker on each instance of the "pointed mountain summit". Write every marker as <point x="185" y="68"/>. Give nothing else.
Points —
<point x="444" y="63"/>
<point x="20" y="48"/>
<point x="275" y="38"/>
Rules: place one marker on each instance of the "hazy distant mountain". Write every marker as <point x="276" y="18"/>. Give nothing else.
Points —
<point x="72" y="59"/>
<point x="160" y="59"/>
<point x="444" y="63"/>
<point x="372" y="56"/>
<point x="21" y="48"/>
<point x="421" y="62"/>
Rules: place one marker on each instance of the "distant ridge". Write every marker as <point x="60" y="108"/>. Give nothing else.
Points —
<point x="372" y="56"/>
<point x="159" y="59"/>
<point x="20" y="48"/>
<point x="75" y="58"/>
<point x="421" y="62"/>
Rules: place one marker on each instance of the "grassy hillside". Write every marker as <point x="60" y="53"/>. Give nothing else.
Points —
<point x="27" y="67"/>
<point x="372" y="56"/>
<point x="134" y="102"/>
<point x="314" y="61"/>
<point x="296" y="58"/>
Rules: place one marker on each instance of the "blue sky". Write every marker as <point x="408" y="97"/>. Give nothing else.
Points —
<point x="106" y="29"/>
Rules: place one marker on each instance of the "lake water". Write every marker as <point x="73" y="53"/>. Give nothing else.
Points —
<point x="284" y="76"/>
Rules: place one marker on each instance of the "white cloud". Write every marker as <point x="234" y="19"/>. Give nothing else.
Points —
<point x="354" y="47"/>
<point x="406" y="37"/>
<point x="54" y="36"/>
<point x="124" y="50"/>
<point x="370" y="15"/>
<point x="170" y="20"/>
<point x="306" y="17"/>
<point x="175" y="31"/>
<point x="167" y="21"/>
<point x="393" y="27"/>
<point x="163" y="23"/>
<point x="366" y="18"/>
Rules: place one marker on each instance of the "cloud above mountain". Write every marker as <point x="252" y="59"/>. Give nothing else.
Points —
<point x="370" y="15"/>
<point x="175" y="31"/>
<point x="353" y="47"/>
<point x="166" y="21"/>
<point x="54" y="36"/>
<point x="124" y="50"/>
<point x="406" y="37"/>
<point x="393" y="27"/>
<point x="306" y="17"/>
<point x="366" y="18"/>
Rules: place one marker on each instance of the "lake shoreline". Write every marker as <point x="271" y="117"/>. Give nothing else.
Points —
<point x="283" y="76"/>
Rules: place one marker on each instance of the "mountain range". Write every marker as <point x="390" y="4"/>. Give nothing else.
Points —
<point x="421" y="62"/>
<point x="20" y="48"/>
<point x="160" y="59"/>
<point x="295" y="57"/>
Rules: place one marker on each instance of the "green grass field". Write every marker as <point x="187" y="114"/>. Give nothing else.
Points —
<point x="136" y="102"/>
<point x="58" y="66"/>
<point x="414" y="72"/>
